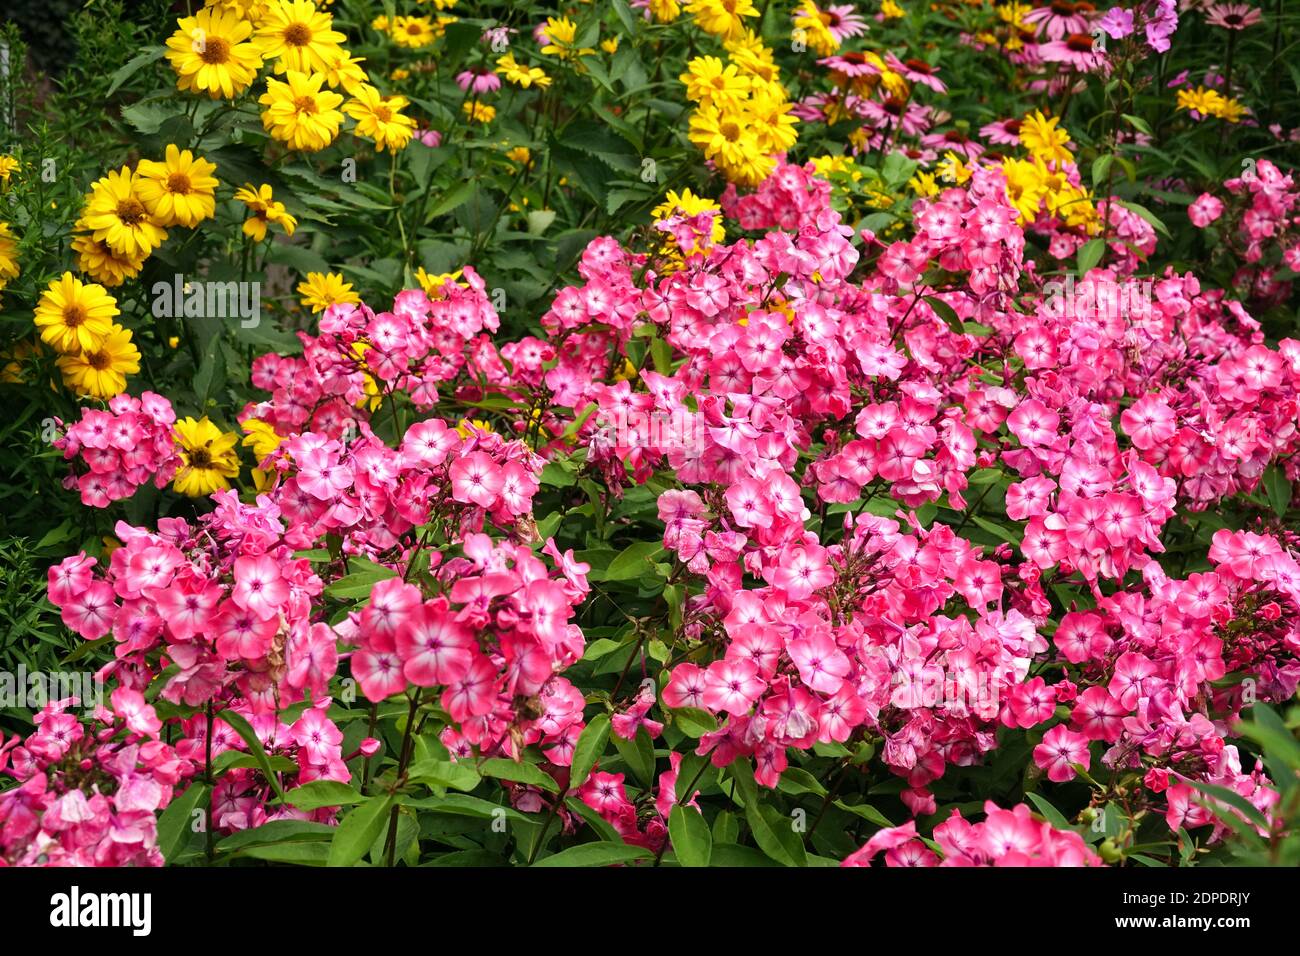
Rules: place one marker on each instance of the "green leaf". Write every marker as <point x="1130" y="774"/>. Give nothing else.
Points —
<point x="455" y="775"/>
<point x="624" y="14"/>
<point x="772" y="832"/>
<point x="133" y="66"/>
<point x="632" y="562"/>
<point x="945" y="312"/>
<point x="360" y="582"/>
<point x="866" y="811"/>
<point x="1049" y="812"/>
<point x="639" y="754"/>
<point x="1232" y="799"/>
<point x="245" y="730"/>
<point x="359" y="829"/>
<point x="174" y="826"/>
<point x="1089" y="255"/>
<point x="689" y="774"/>
<point x="596" y="854"/>
<point x="297" y="854"/>
<point x="503" y="769"/>
<point x="323" y="793"/>
<point x="1278" y="489"/>
<point x="452" y="200"/>
<point x="277" y="831"/>
<point x="692" y="842"/>
<point x="590" y="746"/>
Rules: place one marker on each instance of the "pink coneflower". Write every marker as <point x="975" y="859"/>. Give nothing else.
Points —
<point x="1232" y="16"/>
<point x="956" y="141"/>
<point x="479" y="80"/>
<point x="1060" y="18"/>
<point x="923" y="156"/>
<point x="843" y="21"/>
<point x="910" y="118"/>
<point x="917" y="71"/>
<point x="1078" y="50"/>
<point x="1002" y="133"/>
<point x="429" y="137"/>
<point x="852" y="65"/>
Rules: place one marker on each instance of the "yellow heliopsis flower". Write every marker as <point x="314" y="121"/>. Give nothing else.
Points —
<point x="210" y="53"/>
<point x="1025" y="186"/>
<point x="321" y="290"/>
<point x="561" y="39"/>
<point x="890" y="10"/>
<point x="610" y="46"/>
<point x="74" y="316"/>
<point x="709" y="80"/>
<point x="179" y="190"/>
<point x="520" y="75"/>
<point x="298" y="112"/>
<point x="8" y="255"/>
<point x="347" y="73"/>
<point x="521" y="155"/>
<point x="722" y="18"/>
<point x="8" y="166"/>
<point x="815" y="31"/>
<point x="468" y="426"/>
<point x="101" y="263"/>
<point x="953" y="169"/>
<point x="1041" y="136"/>
<point x="665" y="11"/>
<point x="116" y="214"/>
<point x="772" y="122"/>
<point x="300" y="38"/>
<point x="380" y="118"/>
<point x="479" y="112"/>
<point x="688" y="204"/>
<point x="262" y="438"/>
<point x="265" y="211"/>
<point x="101" y="372"/>
<point x="413" y="32"/>
<point x="208" y="457"/>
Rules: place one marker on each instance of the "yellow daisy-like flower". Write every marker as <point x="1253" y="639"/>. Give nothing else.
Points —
<point x="1041" y="136"/>
<point x="520" y="75"/>
<point x="300" y="38"/>
<point x="924" y="184"/>
<point x="8" y="255"/>
<point x="891" y="10"/>
<point x="8" y="166"/>
<point x="479" y="112"/>
<point x="101" y="372"/>
<point x="208" y="457"/>
<point x="321" y="290"/>
<point x="178" y="191"/>
<point x="381" y="24"/>
<point x="380" y="118"/>
<point x="610" y="46"/>
<point x="347" y="73"/>
<point x="953" y="169"/>
<point x="413" y="32"/>
<point x="97" y="260"/>
<point x="210" y="54"/>
<point x="709" y="80"/>
<point x="433" y="285"/>
<point x="1025" y="186"/>
<point x="722" y="18"/>
<point x="262" y="438"/>
<point x="74" y="316"/>
<point x="265" y="211"/>
<point x="561" y="36"/>
<point x="689" y="204"/>
<point x="521" y="155"/>
<point x="468" y="426"/>
<point x="298" y="112"/>
<point x="116" y="214"/>
<point x="811" y="27"/>
<point x="665" y="11"/>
